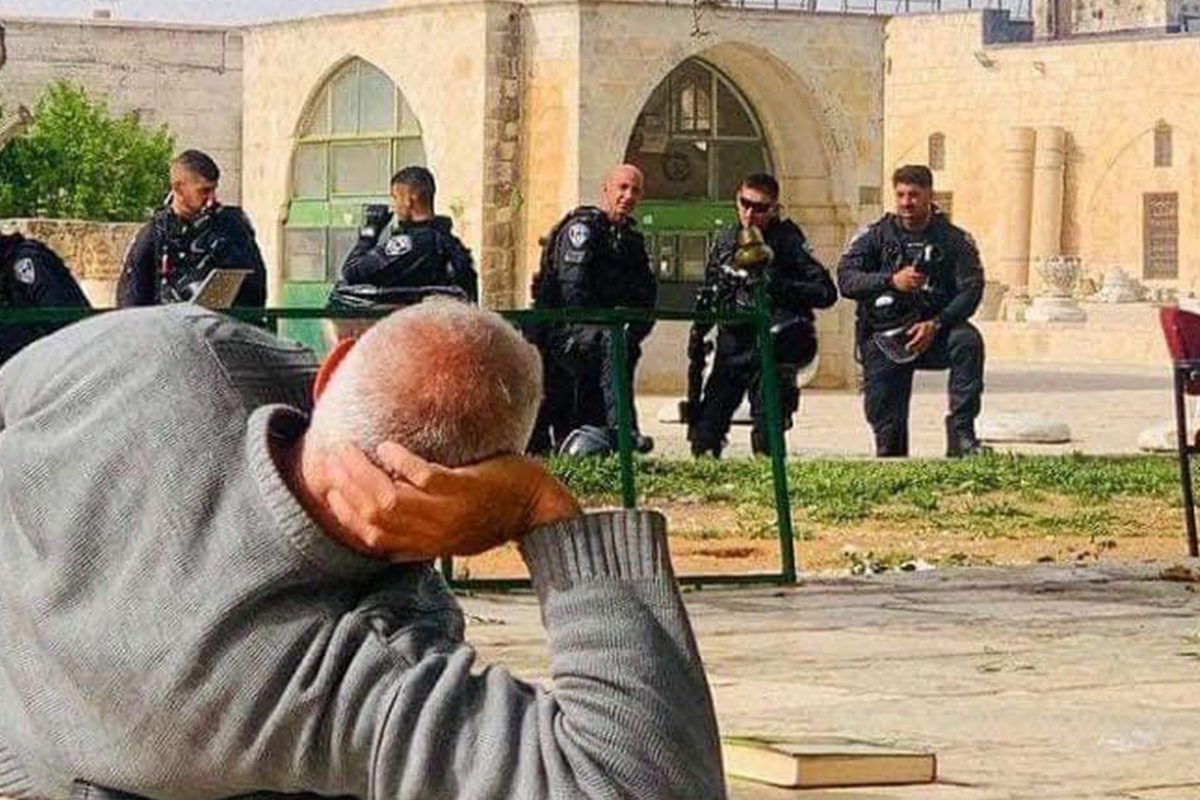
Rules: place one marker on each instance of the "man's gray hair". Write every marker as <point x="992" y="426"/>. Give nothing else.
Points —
<point x="453" y="383"/>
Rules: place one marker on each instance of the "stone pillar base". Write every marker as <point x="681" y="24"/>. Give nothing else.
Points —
<point x="1055" y="309"/>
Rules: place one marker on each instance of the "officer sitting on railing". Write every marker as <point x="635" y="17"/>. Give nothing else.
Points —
<point x="795" y="283"/>
<point x="594" y="258"/>
<point x="401" y="261"/>
<point x="32" y="276"/>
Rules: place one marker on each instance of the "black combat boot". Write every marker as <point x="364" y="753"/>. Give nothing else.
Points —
<point x="961" y="441"/>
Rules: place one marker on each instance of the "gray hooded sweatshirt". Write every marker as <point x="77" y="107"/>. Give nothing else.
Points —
<point x="173" y="624"/>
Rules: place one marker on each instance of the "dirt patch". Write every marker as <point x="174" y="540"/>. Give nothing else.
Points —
<point x="961" y="530"/>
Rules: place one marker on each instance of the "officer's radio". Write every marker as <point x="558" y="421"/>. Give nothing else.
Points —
<point x="919" y="255"/>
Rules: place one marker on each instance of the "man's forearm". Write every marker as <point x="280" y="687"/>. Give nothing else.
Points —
<point x="630" y="714"/>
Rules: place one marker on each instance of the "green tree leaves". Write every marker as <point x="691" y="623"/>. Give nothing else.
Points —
<point x="79" y="161"/>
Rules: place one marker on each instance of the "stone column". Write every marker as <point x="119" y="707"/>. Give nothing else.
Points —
<point x="1018" y="192"/>
<point x="1045" y="230"/>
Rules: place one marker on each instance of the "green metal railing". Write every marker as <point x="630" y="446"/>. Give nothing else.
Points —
<point x="616" y="320"/>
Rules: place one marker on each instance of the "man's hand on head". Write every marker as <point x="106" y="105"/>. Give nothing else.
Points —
<point x="409" y="506"/>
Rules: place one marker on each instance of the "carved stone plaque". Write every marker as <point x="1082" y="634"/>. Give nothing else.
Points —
<point x="1160" y="235"/>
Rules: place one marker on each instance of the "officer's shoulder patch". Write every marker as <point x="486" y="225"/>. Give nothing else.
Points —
<point x="398" y="245"/>
<point x="25" y="271"/>
<point x="579" y="234"/>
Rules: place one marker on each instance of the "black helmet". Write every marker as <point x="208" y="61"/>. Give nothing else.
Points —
<point x="891" y="314"/>
<point x="587" y="440"/>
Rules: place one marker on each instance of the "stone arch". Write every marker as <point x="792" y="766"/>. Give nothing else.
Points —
<point x="1111" y="218"/>
<point x="341" y="160"/>
<point x="808" y="136"/>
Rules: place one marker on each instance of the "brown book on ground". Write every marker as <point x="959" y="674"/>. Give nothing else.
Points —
<point x="814" y="762"/>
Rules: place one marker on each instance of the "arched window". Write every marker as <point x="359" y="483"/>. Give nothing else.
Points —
<point x="937" y="151"/>
<point x="1162" y="144"/>
<point x="697" y="137"/>
<point x="356" y="133"/>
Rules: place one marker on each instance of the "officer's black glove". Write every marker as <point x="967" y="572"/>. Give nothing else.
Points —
<point x="375" y="219"/>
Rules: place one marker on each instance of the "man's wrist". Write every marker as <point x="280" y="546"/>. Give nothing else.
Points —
<point x="554" y="504"/>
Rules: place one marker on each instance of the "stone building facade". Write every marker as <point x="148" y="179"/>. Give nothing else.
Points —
<point x="188" y="77"/>
<point x="1068" y="135"/>
<point x="523" y="107"/>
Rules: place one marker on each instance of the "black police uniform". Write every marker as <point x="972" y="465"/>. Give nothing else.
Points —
<point x="953" y="292"/>
<point x="32" y="276"/>
<point x="171" y="256"/>
<point x="423" y="255"/>
<point x="588" y="261"/>
<point x="796" y="283"/>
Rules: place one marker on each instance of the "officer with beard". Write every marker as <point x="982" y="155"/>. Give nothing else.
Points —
<point x="191" y="235"/>
<point x="917" y="279"/>
<point x="796" y="283"/>
<point x="32" y="276"/>
<point x="593" y="258"/>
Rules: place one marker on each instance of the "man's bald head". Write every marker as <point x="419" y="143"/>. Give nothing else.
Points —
<point x="451" y="382"/>
<point x="623" y="189"/>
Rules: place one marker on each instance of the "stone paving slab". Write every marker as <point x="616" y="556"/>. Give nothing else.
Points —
<point x="1029" y="682"/>
<point x="1106" y="408"/>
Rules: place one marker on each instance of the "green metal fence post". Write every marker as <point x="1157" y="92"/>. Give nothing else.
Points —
<point x="770" y="389"/>
<point x="619" y="342"/>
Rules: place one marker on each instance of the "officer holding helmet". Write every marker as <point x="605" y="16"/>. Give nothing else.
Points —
<point x="917" y="279"/>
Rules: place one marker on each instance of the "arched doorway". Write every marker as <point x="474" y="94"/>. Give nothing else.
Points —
<point x="695" y="139"/>
<point x="356" y="132"/>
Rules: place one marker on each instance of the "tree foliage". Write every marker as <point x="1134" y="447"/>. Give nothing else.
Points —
<point x="79" y="161"/>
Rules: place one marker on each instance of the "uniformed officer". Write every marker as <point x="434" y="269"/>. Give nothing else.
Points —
<point x="593" y="258"/>
<point x="796" y="283"/>
<point x="187" y="238"/>
<point x="32" y="276"/>
<point x="418" y="255"/>
<point x="917" y="280"/>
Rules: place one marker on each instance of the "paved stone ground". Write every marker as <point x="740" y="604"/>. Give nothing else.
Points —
<point x="1037" y="682"/>
<point x="1106" y="407"/>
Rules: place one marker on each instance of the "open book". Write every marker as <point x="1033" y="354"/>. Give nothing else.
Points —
<point x="219" y="288"/>
<point x="812" y="762"/>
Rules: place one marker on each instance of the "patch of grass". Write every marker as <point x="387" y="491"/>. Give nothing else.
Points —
<point x="1001" y="509"/>
<point x="844" y="491"/>
<point x="1094" y="522"/>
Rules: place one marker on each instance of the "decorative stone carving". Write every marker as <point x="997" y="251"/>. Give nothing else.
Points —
<point x="1057" y="302"/>
<point x="1120" y="287"/>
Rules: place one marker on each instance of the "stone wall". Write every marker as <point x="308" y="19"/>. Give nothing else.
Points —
<point x="189" y="78"/>
<point x="1102" y="97"/>
<point x="502" y="166"/>
<point x="94" y="251"/>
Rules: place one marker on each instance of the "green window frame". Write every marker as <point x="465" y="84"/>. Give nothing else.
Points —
<point x="357" y="132"/>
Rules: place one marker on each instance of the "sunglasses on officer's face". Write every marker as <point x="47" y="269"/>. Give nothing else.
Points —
<point x="756" y="207"/>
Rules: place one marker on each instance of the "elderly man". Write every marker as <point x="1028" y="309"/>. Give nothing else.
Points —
<point x="202" y="595"/>
<point x="593" y="258"/>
